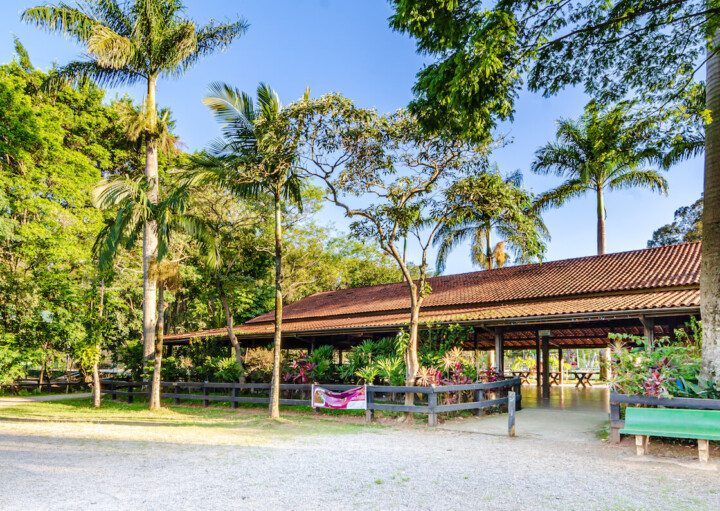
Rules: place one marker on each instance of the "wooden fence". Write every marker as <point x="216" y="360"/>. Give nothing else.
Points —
<point x="473" y="396"/>
<point x="47" y="386"/>
<point x="616" y="400"/>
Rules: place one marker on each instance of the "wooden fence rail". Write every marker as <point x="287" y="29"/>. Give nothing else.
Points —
<point x="616" y="400"/>
<point x="376" y="395"/>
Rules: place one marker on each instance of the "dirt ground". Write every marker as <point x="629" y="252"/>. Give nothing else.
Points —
<point x="314" y="463"/>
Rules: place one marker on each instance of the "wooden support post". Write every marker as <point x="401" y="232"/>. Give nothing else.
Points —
<point x="340" y="356"/>
<point x="615" y="423"/>
<point x="538" y="362"/>
<point x="432" y="404"/>
<point x="113" y="390"/>
<point x="479" y="396"/>
<point x="130" y="391"/>
<point x="499" y="352"/>
<point x="206" y="391"/>
<point x="511" y="413"/>
<point x="703" y="451"/>
<point x="370" y="411"/>
<point x="518" y="395"/>
<point x="176" y="391"/>
<point x="648" y="329"/>
<point x="641" y="444"/>
<point x="561" y="369"/>
<point x="546" y="368"/>
<point x="234" y="394"/>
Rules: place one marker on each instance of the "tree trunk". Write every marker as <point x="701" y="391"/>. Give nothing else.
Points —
<point x="157" y="365"/>
<point x="97" y="395"/>
<point x="600" y="221"/>
<point x="412" y="364"/>
<point x="231" y="331"/>
<point x="275" y="386"/>
<point x="150" y="235"/>
<point x="710" y="269"/>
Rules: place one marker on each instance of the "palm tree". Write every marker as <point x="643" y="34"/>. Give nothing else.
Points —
<point x="604" y="150"/>
<point x="127" y="43"/>
<point x="256" y="156"/>
<point x="134" y="209"/>
<point x="485" y="204"/>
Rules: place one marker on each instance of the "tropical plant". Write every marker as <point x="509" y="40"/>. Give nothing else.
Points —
<point x="256" y="156"/>
<point x="258" y="364"/>
<point x="391" y="370"/>
<point x="487" y="203"/>
<point x="133" y="42"/>
<point x="368" y="374"/>
<point x="604" y="150"/>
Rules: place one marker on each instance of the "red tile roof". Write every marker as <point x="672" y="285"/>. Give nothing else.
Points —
<point x="656" y="278"/>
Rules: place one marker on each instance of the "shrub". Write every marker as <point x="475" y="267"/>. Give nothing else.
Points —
<point x="258" y="364"/>
<point x="663" y="370"/>
<point x="227" y="370"/>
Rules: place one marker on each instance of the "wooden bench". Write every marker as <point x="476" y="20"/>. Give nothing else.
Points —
<point x="702" y="425"/>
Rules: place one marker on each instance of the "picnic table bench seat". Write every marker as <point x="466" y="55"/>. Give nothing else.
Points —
<point x="701" y="425"/>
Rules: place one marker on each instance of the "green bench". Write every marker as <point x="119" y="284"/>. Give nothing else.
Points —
<point x="702" y="425"/>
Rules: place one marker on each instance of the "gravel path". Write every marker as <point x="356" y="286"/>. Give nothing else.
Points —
<point x="114" y="466"/>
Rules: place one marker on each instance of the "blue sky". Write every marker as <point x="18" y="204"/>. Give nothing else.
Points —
<point x="346" y="46"/>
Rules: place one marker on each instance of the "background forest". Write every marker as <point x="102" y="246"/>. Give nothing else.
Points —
<point x="55" y="146"/>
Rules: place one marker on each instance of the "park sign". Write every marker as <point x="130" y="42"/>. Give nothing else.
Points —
<point x="351" y="399"/>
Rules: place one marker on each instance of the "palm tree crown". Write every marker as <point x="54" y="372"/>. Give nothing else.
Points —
<point x="133" y="41"/>
<point x="485" y="204"/>
<point x="606" y="149"/>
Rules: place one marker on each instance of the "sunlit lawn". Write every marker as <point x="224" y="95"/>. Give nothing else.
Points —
<point x="296" y="420"/>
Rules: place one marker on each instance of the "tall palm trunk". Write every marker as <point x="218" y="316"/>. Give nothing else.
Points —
<point x="488" y="249"/>
<point x="275" y="386"/>
<point x="600" y="220"/>
<point x="229" y="322"/>
<point x="97" y="395"/>
<point x="710" y="270"/>
<point x="157" y="363"/>
<point x="150" y="235"/>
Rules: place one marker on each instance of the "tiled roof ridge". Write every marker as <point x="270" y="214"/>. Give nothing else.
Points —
<point x="491" y="277"/>
<point x="516" y="267"/>
<point x="474" y="305"/>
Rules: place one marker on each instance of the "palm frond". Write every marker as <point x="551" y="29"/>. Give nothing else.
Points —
<point x="560" y="194"/>
<point x="110" y="49"/>
<point x="645" y="178"/>
<point x="61" y="18"/>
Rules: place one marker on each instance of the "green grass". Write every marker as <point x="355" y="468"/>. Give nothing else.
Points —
<point x="115" y="412"/>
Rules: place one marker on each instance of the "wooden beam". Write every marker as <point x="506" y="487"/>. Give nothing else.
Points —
<point x="499" y="351"/>
<point x="561" y="370"/>
<point x="546" y="367"/>
<point x="537" y="358"/>
<point x="648" y="329"/>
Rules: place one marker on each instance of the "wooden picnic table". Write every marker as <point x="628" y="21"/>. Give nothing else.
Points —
<point x="554" y="378"/>
<point x="523" y="375"/>
<point x="583" y="377"/>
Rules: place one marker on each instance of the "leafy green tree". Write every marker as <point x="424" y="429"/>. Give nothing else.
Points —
<point x="135" y="208"/>
<point x="256" y="156"/>
<point x="53" y="147"/>
<point x="388" y="176"/>
<point x="486" y="203"/>
<point x="650" y="50"/>
<point x="136" y="42"/>
<point x="686" y="227"/>
<point x="603" y="151"/>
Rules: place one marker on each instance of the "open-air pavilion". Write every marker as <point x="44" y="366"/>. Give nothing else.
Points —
<point x="558" y="305"/>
